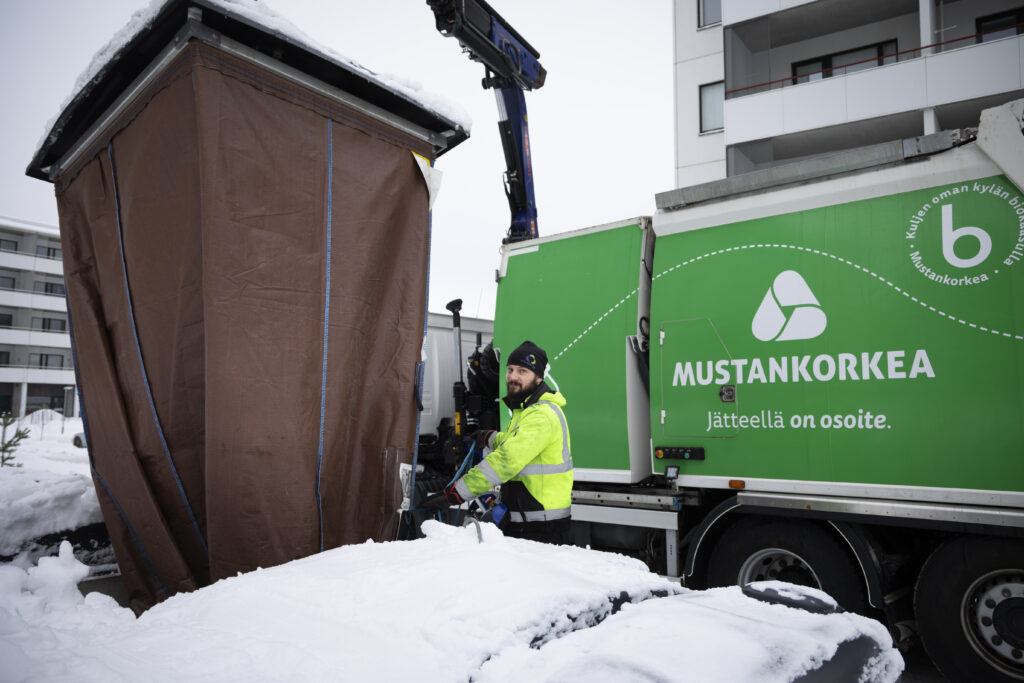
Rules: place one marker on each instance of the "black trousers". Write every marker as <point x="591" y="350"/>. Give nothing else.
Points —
<point x="556" y="531"/>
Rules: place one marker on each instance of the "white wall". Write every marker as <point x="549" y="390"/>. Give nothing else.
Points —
<point x="956" y="19"/>
<point x="698" y="61"/>
<point x="735" y="11"/>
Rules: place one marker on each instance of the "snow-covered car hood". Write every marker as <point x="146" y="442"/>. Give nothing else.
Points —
<point x="442" y="608"/>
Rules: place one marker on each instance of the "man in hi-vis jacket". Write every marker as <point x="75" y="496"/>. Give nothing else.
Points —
<point x="530" y="458"/>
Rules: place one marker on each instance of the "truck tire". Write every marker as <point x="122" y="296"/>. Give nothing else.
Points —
<point x="969" y="604"/>
<point x="795" y="551"/>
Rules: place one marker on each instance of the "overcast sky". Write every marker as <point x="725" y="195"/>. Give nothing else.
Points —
<point x="601" y="128"/>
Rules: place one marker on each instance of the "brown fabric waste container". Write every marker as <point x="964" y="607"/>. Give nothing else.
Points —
<point x="246" y="268"/>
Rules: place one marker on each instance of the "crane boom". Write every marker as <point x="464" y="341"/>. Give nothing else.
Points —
<point x="511" y="67"/>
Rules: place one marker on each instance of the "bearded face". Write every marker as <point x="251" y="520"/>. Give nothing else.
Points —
<point x="521" y="382"/>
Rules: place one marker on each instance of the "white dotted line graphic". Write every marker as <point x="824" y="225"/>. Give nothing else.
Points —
<point x="868" y="271"/>
<point x="858" y="267"/>
<point x="595" y="323"/>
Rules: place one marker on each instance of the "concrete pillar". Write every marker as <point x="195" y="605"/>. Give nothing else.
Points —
<point x="931" y="121"/>
<point x="928" y="26"/>
<point x="22" y="398"/>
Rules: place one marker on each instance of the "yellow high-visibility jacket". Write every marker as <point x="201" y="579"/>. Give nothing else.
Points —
<point x="531" y="461"/>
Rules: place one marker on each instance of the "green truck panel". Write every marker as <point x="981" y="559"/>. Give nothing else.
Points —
<point x="576" y="296"/>
<point x="879" y="341"/>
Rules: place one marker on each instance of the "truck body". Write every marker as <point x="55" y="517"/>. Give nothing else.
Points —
<point x="813" y="373"/>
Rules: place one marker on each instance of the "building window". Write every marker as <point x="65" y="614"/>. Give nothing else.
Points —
<point x="6" y="320"/>
<point x="55" y="288"/>
<point x="6" y="282"/>
<point x="840" y="63"/>
<point x="45" y="360"/>
<point x="1002" y="25"/>
<point x="709" y="12"/>
<point x="8" y="245"/>
<point x="5" y="357"/>
<point x="52" y="324"/>
<point x="712" y="100"/>
<point x="48" y="252"/>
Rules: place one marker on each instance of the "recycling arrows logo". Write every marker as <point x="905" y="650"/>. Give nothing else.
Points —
<point x="806" y="319"/>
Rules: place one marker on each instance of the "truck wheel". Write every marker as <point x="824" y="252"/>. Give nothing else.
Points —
<point x="969" y="604"/>
<point x="795" y="551"/>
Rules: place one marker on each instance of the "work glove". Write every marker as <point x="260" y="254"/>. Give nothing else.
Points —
<point x="443" y="499"/>
<point x="483" y="438"/>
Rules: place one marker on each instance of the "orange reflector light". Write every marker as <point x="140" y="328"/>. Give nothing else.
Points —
<point x="737" y="484"/>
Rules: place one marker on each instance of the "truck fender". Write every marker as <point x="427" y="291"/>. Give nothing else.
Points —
<point x="860" y="546"/>
<point x="697" y="535"/>
<point x="867" y="559"/>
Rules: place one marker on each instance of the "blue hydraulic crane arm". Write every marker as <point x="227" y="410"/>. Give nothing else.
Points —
<point x="511" y="67"/>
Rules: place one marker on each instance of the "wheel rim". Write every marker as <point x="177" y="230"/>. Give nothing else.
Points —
<point x="992" y="616"/>
<point x="777" y="564"/>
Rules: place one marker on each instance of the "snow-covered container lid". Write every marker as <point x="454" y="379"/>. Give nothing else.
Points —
<point x="160" y="30"/>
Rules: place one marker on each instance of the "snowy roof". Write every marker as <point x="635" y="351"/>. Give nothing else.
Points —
<point x="249" y="22"/>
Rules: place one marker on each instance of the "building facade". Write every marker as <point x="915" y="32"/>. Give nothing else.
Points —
<point x="760" y="83"/>
<point x="36" y="369"/>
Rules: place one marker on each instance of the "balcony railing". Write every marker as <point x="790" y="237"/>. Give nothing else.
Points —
<point x="29" y="253"/>
<point x="16" y="374"/>
<point x="881" y="60"/>
<point x="31" y="291"/>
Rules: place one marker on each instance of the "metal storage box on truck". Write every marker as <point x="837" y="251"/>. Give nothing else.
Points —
<point x="440" y="367"/>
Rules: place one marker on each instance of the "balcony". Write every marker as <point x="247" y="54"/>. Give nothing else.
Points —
<point x="22" y="336"/>
<point x="22" y="374"/>
<point x="20" y="260"/>
<point x="931" y="81"/>
<point x="21" y="298"/>
<point x="736" y="11"/>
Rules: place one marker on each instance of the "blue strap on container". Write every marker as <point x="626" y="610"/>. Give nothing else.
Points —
<point x="327" y="317"/>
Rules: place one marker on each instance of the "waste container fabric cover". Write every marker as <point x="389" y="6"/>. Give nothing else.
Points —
<point x="231" y="423"/>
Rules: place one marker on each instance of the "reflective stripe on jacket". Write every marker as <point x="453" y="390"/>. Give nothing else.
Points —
<point x="531" y="460"/>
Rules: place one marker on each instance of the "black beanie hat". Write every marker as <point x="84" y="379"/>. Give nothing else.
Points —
<point x="529" y="356"/>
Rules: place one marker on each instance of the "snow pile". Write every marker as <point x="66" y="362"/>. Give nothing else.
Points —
<point x="44" y="603"/>
<point x="257" y="12"/>
<point x="708" y="636"/>
<point x="443" y="608"/>
<point x="434" y="609"/>
<point x="51" y="491"/>
<point x="50" y="446"/>
<point x="35" y="503"/>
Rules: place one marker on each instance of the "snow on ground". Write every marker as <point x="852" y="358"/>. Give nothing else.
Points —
<point x="442" y="608"/>
<point x="52" y="489"/>
<point x="433" y="609"/>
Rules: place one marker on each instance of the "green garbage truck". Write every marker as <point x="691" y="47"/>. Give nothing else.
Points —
<point x="812" y="373"/>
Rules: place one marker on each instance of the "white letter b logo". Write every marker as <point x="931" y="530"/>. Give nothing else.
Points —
<point x="950" y="236"/>
<point x="805" y="321"/>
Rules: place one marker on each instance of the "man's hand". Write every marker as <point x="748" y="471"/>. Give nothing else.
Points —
<point x="482" y="438"/>
<point x="443" y="499"/>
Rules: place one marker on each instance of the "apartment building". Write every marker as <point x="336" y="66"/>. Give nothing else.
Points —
<point x="36" y="369"/>
<point x="766" y="82"/>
